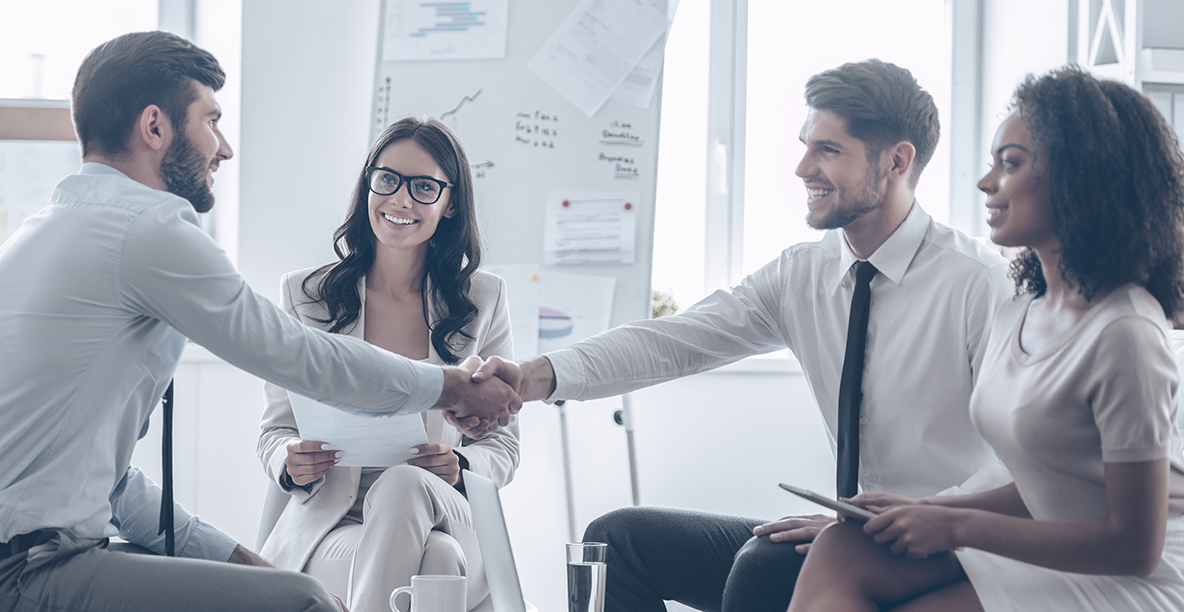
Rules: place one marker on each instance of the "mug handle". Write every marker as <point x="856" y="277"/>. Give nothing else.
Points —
<point x="400" y="591"/>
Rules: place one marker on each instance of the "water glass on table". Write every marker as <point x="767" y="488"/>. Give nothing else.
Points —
<point x="585" y="576"/>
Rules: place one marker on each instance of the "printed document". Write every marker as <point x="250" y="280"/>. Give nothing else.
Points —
<point x="365" y="440"/>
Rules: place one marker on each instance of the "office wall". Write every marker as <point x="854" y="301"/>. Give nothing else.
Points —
<point x="307" y="71"/>
<point x="1019" y="37"/>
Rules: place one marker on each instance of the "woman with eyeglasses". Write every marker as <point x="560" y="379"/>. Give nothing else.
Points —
<point x="407" y="280"/>
<point x="1076" y="392"/>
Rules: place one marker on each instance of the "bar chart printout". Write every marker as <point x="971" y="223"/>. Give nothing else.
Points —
<point x="427" y="30"/>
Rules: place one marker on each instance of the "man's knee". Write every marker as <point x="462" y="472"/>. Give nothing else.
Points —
<point x="762" y="557"/>
<point x="304" y="593"/>
<point x="624" y="524"/>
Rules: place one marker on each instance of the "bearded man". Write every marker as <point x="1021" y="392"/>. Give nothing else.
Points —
<point x="100" y="290"/>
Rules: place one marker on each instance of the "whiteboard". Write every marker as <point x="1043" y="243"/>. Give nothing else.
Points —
<point x="527" y="143"/>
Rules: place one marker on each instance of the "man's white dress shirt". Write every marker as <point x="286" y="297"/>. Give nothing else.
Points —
<point x="931" y="304"/>
<point x="98" y="292"/>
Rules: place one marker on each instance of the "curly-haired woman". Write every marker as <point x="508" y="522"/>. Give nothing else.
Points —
<point x="1076" y="390"/>
<point x="407" y="281"/>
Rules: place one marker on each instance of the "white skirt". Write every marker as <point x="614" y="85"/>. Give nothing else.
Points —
<point x="1006" y="585"/>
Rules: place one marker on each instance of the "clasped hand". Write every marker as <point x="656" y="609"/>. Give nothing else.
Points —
<point x="478" y="406"/>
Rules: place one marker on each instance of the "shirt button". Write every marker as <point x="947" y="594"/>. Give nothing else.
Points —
<point x="873" y="478"/>
<point x="863" y="420"/>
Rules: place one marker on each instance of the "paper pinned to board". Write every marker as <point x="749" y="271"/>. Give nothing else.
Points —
<point x="365" y="441"/>
<point x="551" y="309"/>
<point x="638" y="88"/>
<point x="596" y="48"/>
<point x="590" y="227"/>
<point x="475" y="29"/>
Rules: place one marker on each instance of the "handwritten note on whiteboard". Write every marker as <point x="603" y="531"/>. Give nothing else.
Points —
<point x="590" y="227"/>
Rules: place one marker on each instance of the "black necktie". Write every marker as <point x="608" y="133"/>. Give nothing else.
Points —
<point x="166" y="459"/>
<point x="851" y="384"/>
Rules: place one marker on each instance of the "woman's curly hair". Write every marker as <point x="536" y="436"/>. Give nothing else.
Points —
<point x="1115" y="174"/>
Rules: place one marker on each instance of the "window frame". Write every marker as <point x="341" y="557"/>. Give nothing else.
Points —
<point x="726" y="121"/>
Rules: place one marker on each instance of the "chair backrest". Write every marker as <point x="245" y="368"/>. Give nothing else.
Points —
<point x="490" y="524"/>
<point x="273" y="507"/>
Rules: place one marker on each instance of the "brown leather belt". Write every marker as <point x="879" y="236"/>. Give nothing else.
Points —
<point x="20" y="544"/>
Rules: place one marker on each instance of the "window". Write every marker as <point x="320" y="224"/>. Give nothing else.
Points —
<point x="783" y="43"/>
<point x="42" y="43"/>
<point x="39" y="54"/>
<point x="41" y="46"/>
<point x="787" y="43"/>
<point x="680" y="211"/>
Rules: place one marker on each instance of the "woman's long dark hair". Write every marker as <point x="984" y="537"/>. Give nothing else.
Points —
<point x="454" y="251"/>
<point x="1116" y="184"/>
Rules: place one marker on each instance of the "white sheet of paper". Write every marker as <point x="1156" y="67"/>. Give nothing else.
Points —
<point x="366" y="441"/>
<point x="594" y="50"/>
<point x="555" y="308"/>
<point x="417" y="30"/>
<point x="638" y="88"/>
<point x="522" y="291"/>
<point x="590" y="227"/>
<point x="574" y="307"/>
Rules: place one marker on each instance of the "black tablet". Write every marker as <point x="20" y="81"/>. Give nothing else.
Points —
<point x="850" y="511"/>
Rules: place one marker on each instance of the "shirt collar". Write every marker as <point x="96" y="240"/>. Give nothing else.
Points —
<point x="893" y="257"/>
<point x="100" y="168"/>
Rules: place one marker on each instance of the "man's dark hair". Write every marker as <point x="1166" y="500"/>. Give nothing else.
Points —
<point x="123" y="76"/>
<point x="882" y="104"/>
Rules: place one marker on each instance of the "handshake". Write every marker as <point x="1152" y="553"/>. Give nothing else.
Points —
<point x="481" y="395"/>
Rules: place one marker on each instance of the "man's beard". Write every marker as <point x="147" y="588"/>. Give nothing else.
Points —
<point x="846" y="213"/>
<point x="184" y="171"/>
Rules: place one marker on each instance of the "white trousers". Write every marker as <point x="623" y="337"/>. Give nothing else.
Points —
<point x="413" y="523"/>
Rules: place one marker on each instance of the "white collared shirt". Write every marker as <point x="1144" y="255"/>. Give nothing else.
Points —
<point x="99" y="291"/>
<point x="931" y="305"/>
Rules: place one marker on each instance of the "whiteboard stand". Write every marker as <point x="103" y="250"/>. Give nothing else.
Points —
<point x="568" y="488"/>
<point x="624" y="416"/>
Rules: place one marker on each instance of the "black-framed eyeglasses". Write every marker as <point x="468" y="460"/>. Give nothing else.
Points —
<point x="423" y="189"/>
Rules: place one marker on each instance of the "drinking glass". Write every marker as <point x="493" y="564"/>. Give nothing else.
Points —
<point x="585" y="576"/>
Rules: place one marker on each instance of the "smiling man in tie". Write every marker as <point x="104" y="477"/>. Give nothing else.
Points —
<point x="887" y="314"/>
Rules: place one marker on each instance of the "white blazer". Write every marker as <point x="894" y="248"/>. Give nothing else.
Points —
<point x="309" y="515"/>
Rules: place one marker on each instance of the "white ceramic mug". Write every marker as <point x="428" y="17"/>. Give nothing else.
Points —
<point x="433" y="594"/>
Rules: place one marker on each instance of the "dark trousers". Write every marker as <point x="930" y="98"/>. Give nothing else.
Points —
<point x="709" y="562"/>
